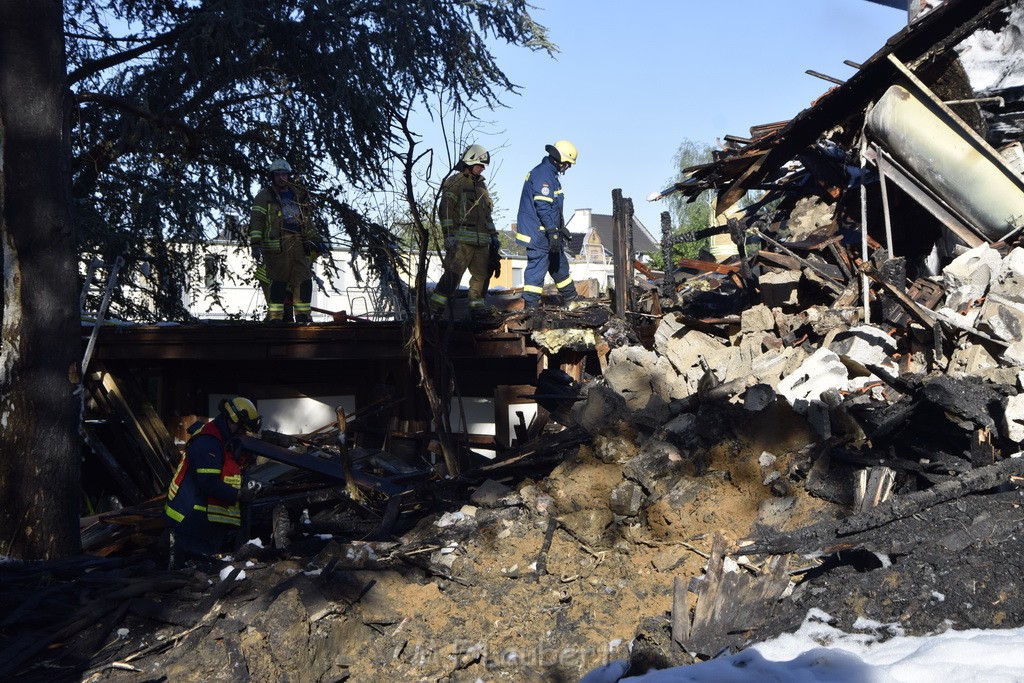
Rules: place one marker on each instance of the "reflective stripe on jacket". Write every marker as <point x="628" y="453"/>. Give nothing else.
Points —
<point x="266" y="220"/>
<point x="466" y="208"/>
<point x="207" y="480"/>
<point x="540" y="205"/>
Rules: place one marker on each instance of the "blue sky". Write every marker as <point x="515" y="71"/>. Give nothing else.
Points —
<point x="634" y="79"/>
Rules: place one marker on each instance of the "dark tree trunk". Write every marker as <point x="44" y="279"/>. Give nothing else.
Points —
<point x="40" y="348"/>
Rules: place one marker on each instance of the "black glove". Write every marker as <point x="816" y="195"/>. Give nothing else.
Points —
<point x="554" y="242"/>
<point x="249" y="491"/>
<point x="494" y="258"/>
<point x="257" y="253"/>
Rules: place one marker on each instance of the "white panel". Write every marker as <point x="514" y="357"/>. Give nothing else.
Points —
<point x="480" y="418"/>
<point x="479" y="415"/>
<point x="296" y="415"/>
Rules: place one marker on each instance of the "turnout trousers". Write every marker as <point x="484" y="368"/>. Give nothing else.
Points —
<point x="540" y="263"/>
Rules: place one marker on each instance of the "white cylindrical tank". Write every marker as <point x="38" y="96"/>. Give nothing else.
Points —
<point x="988" y="195"/>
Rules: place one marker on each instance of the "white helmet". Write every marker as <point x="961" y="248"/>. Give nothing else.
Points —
<point x="280" y="165"/>
<point x="476" y="154"/>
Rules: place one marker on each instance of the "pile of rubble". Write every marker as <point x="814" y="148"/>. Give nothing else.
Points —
<point x="730" y="478"/>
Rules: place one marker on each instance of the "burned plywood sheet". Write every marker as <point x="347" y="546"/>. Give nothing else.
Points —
<point x="730" y="605"/>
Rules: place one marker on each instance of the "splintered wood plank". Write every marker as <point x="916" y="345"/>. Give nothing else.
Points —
<point x="706" y="613"/>
<point x="141" y="417"/>
<point x="707" y="266"/>
<point x="730" y="604"/>
<point x="680" y="611"/>
<point x="138" y="452"/>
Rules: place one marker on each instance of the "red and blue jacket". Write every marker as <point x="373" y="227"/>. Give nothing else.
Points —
<point x="206" y="485"/>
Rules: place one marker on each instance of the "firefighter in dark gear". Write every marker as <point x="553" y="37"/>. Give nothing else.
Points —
<point x="282" y="237"/>
<point x="465" y="213"/>
<point x="203" y="499"/>
<point x="541" y="228"/>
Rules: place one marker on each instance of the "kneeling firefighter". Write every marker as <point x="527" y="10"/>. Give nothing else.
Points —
<point x="203" y="499"/>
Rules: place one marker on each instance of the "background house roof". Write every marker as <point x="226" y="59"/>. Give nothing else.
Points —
<point x="603" y="225"/>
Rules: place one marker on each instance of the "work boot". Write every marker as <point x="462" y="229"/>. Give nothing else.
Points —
<point x="174" y="559"/>
<point x="205" y="565"/>
<point x="180" y="558"/>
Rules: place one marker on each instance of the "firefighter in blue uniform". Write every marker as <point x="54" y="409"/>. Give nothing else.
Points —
<point x="206" y="490"/>
<point x="540" y="227"/>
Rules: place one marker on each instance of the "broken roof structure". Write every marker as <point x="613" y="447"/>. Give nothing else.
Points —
<point x="924" y="47"/>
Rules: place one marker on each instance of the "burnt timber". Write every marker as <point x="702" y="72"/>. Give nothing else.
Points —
<point x="182" y="364"/>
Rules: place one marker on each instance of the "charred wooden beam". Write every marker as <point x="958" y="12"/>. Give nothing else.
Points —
<point x="825" y="534"/>
<point x="825" y="277"/>
<point x="620" y="252"/>
<point x="668" y="282"/>
<point x="824" y="77"/>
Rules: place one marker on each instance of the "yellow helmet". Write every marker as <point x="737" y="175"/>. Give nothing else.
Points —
<point x="242" y="411"/>
<point x="562" y="151"/>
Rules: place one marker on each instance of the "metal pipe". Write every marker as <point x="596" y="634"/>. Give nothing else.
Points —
<point x="975" y="100"/>
<point x="885" y="212"/>
<point x="864" y="290"/>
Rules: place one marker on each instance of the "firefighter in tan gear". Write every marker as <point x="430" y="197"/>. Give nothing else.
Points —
<point x="203" y="499"/>
<point x="465" y="213"/>
<point x="284" y="240"/>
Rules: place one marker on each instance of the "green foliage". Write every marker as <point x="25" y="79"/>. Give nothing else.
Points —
<point x="180" y="105"/>
<point x="688" y="216"/>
